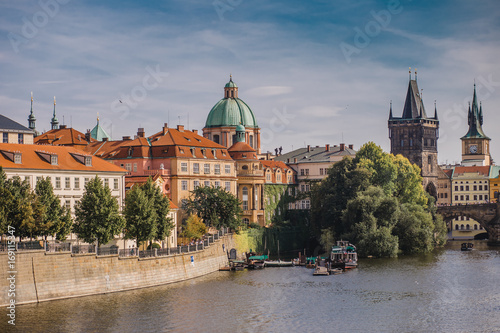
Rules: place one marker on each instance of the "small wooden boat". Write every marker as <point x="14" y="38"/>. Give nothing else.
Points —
<point x="320" y="270"/>
<point x="466" y="246"/>
<point x="256" y="262"/>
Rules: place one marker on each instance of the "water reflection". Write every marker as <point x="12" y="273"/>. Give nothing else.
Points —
<point x="447" y="291"/>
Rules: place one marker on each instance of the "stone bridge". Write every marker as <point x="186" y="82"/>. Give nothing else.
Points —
<point x="487" y="215"/>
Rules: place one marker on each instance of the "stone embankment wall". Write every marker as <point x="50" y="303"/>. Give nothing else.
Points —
<point x="41" y="276"/>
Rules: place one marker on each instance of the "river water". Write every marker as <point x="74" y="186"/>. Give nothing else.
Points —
<point x="446" y="291"/>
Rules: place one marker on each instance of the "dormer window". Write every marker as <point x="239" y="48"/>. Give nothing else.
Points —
<point x="193" y="152"/>
<point x="130" y="151"/>
<point x="17" y="158"/>
<point x="214" y="152"/>
<point x="88" y="160"/>
<point x="53" y="159"/>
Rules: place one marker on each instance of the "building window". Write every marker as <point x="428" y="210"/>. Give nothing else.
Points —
<point x="53" y="159"/>
<point x="196" y="184"/>
<point x="321" y="171"/>
<point x="135" y="167"/>
<point x="486" y="197"/>
<point x="480" y="187"/>
<point x="228" y="186"/>
<point x="206" y="168"/>
<point x="77" y="183"/>
<point x="184" y="166"/>
<point x="20" y="138"/>
<point x="486" y="187"/>
<point x="17" y="158"/>
<point x="301" y="172"/>
<point x="461" y="187"/>
<point x="244" y="193"/>
<point x="307" y="187"/>
<point x="58" y="182"/>
<point x="128" y="167"/>
<point x="475" y="196"/>
<point x="88" y="160"/>
<point x="461" y="198"/>
<point x="227" y="168"/>
<point x="85" y="181"/>
<point x="115" y="184"/>
<point x="456" y="227"/>
<point x="217" y="169"/>
<point x="456" y="188"/>
<point x="196" y="168"/>
<point x="307" y="172"/>
<point x="106" y="182"/>
<point x="402" y="143"/>
<point x="278" y="177"/>
<point x="467" y="197"/>
<point x="217" y="183"/>
<point x="184" y="185"/>
<point x="456" y="197"/>
<point x="302" y="188"/>
<point x="67" y="204"/>
<point x="246" y="221"/>
<point x="475" y="226"/>
<point x="216" y="138"/>
<point x="268" y="176"/>
<point x="207" y="183"/>
<point x="5" y="137"/>
<point x="466" y="187"/>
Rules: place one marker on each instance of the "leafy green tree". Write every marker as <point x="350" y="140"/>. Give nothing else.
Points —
<point x="194" y="228"/>
<point x="49" y="217"/>
<point x="161" y="205"/>
<point x="65" y="225"/>
<point x="21" y="207"/>
<point x="215" y="206"/>
<point x="140" y="216"/>
<point x="97" y="214"/>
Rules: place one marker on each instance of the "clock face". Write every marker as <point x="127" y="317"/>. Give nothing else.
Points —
<point x="473" y="149"/>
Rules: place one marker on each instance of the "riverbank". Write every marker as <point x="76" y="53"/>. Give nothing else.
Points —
<point x="38" y="276"/>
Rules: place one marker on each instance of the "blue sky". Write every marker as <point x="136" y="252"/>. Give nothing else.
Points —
<point x="313" y="72"/>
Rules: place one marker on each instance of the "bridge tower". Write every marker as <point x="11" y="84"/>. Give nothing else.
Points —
<point x="415" y="136"/>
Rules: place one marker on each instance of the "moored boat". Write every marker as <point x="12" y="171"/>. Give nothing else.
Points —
<point x="467" y="246"/>
<point x="278" y="263"/>
<point x="344" y="255"/>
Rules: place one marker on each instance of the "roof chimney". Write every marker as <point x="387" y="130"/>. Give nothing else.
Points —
<point x="351" y="146"/>
<point x="140" y="132"/>
<point x="180" y="128"/>
<point x="62" y="126"/>
<point x="126" y="138"/>
<point x="342" y="146"/>
<point x="195" y="132"/>
<point x="308" y="147"/>
<point x="327" y="147"/>
<point x="105" y="139"/>
<point x="87" y="136"/>
<point x="165" y="128"/>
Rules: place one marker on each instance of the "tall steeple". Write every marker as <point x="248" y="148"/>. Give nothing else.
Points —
<point x="475" y="120"/>
<point x="31" y="117"/>
<point x="414" y="106"/>
<point x="54" y="122"/>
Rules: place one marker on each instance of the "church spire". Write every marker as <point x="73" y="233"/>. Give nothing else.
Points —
<point x="31" y="117"/>
<point x="54" y="122"/>
<point x="435" y="111"/>
<point x="390" y="111"/>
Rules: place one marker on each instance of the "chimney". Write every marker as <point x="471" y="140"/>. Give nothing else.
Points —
<point x="140" y="132"/>
<point x="351" y="147"/>
<point x="195" y="132"/>
<point x="180" y="128"/>
<point x="327" y="147"/>
<point x="126" y="138"/>
<point x="308" y="148"/>
<point x="342" y="146"/>
<point x="165" y="129"/>
<point x="87" y="136"/>
<point x="62" y="126"/>
<point x="105" y="139"/>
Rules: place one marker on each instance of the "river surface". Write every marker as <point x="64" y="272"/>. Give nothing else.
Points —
<point x="446" y="291"/>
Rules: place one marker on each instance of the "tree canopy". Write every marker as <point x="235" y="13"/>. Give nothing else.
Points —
<point x="377" y="201"/>
<point x="216" y="206"/>
<point x="98" y="214"/>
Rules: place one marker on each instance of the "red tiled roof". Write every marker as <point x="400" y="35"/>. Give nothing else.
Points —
<point x="38" y="157"/>
<point x="482" y="170"/>
<point x="63" y="137"/>
<point x="275" y="164"/>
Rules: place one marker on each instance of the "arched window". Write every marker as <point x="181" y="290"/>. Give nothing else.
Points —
<point x="216" y="138"/>
<point x="246" y="221"/>
<point x="251" y="141"/>
<point x="467" y="227"/>
<point x="456" y="227"/>
<point x="461" y="227"/>
<point x="244" y="193"/>
<point x="475" y="226"/>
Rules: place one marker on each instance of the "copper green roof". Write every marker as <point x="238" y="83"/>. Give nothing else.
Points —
<point x="98" y="133"/>
<point x="231" y="111"/>
<point x="475" y="120"/>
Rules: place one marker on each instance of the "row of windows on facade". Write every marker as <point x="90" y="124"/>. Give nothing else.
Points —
<point x="76" y="182"/>
<point x="20" y="138"/>
<point x="427" y="142"/>
<point x="51" y="158"/>
<point x="278" y="177"/>
<point x="476" y="197"/>
<point x="207" y="183"/>
<point x="474" y="188"/>
<point x="206" y="168"/>
<point x="467" y="227"/>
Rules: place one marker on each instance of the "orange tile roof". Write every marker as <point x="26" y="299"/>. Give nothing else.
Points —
<point x="63" y="137"/>
<point x="275" y="164"/>
<point x="482" y="170"/>
<point x="35" y="157"/>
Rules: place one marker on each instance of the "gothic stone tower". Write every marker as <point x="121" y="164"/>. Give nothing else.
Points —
<point x="415" y="136"/>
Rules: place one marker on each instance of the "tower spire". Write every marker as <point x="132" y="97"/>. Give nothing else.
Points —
<point x="31" y="117"/>
<point x="54" y="122"/>
<point x="435" y="111"/>
<point x="475" y="119"/>
<point x="390" y="111"/>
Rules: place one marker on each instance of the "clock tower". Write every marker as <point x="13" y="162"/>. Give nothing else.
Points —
<point x="475" y="144"/>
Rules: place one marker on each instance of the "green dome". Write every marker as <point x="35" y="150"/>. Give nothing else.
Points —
<point x="240" y="128"/>
<point x="231" y="84"/>
<point x="231" y="112"/>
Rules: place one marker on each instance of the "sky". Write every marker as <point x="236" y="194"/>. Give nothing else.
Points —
<point x="313" y="72"/>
